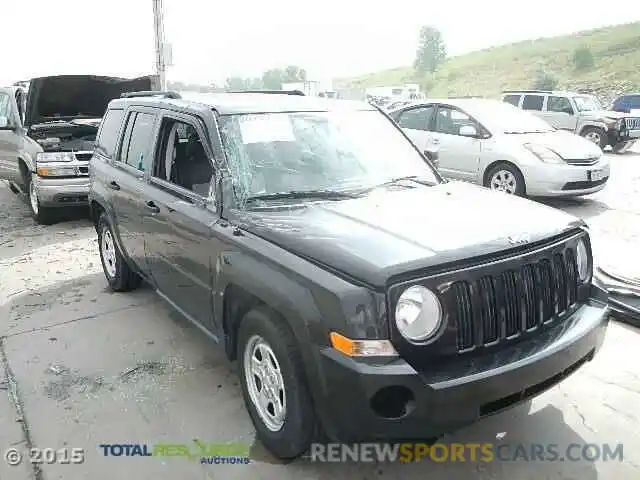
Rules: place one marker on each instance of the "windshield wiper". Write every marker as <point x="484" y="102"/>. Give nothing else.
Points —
<point x="303" y="194"/>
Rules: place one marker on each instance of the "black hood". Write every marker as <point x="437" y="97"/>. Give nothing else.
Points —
<point x="396" y="231"/>
<point x="68" y="97"/>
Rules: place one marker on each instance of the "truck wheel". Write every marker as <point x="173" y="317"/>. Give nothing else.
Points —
<point x="595" y="135"/>
<point x="118" y="273"/>
<point x="505" y="177"/>
<point x="42" y="215"/>
<point x="273" y="385"/>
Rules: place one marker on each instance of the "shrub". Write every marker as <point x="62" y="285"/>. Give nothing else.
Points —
<point x="582" y="58"/>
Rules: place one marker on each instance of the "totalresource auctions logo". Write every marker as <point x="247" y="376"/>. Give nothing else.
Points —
<point x="205" y="453"/>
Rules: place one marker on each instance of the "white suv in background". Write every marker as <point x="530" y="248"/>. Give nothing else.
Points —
<point x="579" y="113"/>
<point x="497" y="145"/>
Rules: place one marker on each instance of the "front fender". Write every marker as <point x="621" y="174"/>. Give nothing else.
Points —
<point x="312" y="300"/>
<point x="582" y="124"/>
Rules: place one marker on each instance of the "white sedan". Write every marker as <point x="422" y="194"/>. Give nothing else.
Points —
<point x="501" y="147"/>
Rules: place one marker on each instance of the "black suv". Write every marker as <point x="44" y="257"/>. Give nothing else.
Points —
<point x="363" y="296"/>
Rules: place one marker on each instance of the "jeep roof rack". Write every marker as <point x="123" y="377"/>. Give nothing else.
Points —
<point x="274" y="92"/>
<point x="151" y="93"/>
<point x="527" y="91"/>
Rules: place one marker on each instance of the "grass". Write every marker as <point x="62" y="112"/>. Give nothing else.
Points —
<point x="615" y="50"/>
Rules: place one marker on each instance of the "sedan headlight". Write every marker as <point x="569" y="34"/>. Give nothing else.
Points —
<point x="583" y="262"/>
<point x="543" y="153"/>
<point x="418" y="313"/>
<point x="48" y="157"/>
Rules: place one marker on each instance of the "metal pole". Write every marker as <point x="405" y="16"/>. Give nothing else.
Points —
<point x="158" y="29"/>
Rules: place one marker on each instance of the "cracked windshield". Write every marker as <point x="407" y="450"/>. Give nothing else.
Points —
<point x="260" y="241"/>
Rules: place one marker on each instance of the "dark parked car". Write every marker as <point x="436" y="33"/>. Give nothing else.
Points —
<point x="626" y="103"/>
<point x="363" y="296"/>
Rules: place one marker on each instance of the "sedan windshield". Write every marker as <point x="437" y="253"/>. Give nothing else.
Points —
<point x="587" y="103"/>
<point x="341" y="151"/>
<point x="501" y="117"/>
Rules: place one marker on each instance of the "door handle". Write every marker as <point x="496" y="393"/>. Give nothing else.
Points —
<point x="114" y="186"/>
<point x="435" y="141"/>
<point x="152" y="206"/>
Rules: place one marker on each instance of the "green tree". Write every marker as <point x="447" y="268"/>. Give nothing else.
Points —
<point x="242" y="83"/>
<point x="272" y="79"/>
<point x="431" y="51"/>
<point x="293" y="73"/>
<point x="582" y="58"/>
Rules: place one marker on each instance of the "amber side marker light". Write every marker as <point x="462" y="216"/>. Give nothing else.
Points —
<point x="362" y="348"/>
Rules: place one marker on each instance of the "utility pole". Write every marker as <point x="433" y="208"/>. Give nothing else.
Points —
<point x="160" y="57"/>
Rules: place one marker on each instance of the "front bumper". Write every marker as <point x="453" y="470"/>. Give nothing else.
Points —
<point x="563" y="180"/>
<point x="61" y="192"/>
<point x="458" y="392"/>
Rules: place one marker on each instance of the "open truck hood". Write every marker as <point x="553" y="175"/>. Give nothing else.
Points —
<point x="68" y="97"/>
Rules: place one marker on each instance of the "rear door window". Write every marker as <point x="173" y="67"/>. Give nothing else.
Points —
<point x="533" y="102"/>
<point x="139" y="150"/>
<point x="417" y="118"/>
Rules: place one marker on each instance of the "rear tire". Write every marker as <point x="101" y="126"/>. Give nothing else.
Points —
<point x="265" y="339"/>
<point x="595" y="135"/>
<point x="42" y="215"/>
<point x="116" y="270"/>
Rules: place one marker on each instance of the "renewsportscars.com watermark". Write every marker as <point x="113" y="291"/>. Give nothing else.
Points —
<point x="465" y="452"/>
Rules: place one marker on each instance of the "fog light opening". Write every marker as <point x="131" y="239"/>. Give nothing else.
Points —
<point x="393" y="402"/>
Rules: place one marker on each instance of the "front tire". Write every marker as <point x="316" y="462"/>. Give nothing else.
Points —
<point x="273" y="385"/>
<point x="507" y="178"/>
<point x="595" y="135"/>
<point x="42" y="215"/>
<point x="116" y="270"/>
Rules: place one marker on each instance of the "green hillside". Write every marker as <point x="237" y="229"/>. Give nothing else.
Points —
<point x="616" y="66"/>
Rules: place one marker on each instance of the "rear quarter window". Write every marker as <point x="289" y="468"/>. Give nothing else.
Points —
<point x="107" y="140"/>
<point x="512" y="99"/>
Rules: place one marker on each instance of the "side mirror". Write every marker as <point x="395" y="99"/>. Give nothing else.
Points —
<point x="433" y="156"/>
<point x="468" y="131"/>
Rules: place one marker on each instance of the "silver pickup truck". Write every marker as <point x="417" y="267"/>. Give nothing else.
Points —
<point x="47" y="135"/>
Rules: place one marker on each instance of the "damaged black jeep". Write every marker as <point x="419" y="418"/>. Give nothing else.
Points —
<point x="361" y="294"/>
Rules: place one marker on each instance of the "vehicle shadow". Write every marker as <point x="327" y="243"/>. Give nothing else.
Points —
<point x="582" y="207"/>
<point x="516" y="434"/>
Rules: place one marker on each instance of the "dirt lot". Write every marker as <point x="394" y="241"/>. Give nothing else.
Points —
<point x="80" y="366"/>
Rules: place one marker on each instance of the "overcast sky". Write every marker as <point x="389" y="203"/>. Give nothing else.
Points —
<point x="212" y="39"/>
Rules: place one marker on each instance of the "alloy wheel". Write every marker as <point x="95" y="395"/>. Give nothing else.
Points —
<point x="265" y="383"/>
<point x="504" y="181"/>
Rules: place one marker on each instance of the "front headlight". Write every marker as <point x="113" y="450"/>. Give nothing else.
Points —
<point x="583" y="261"/>
<point x="56" y="171"/>
<point x="418" y="313"/>
<point x="48" y="157"/>
<point x="543" y="153"/>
